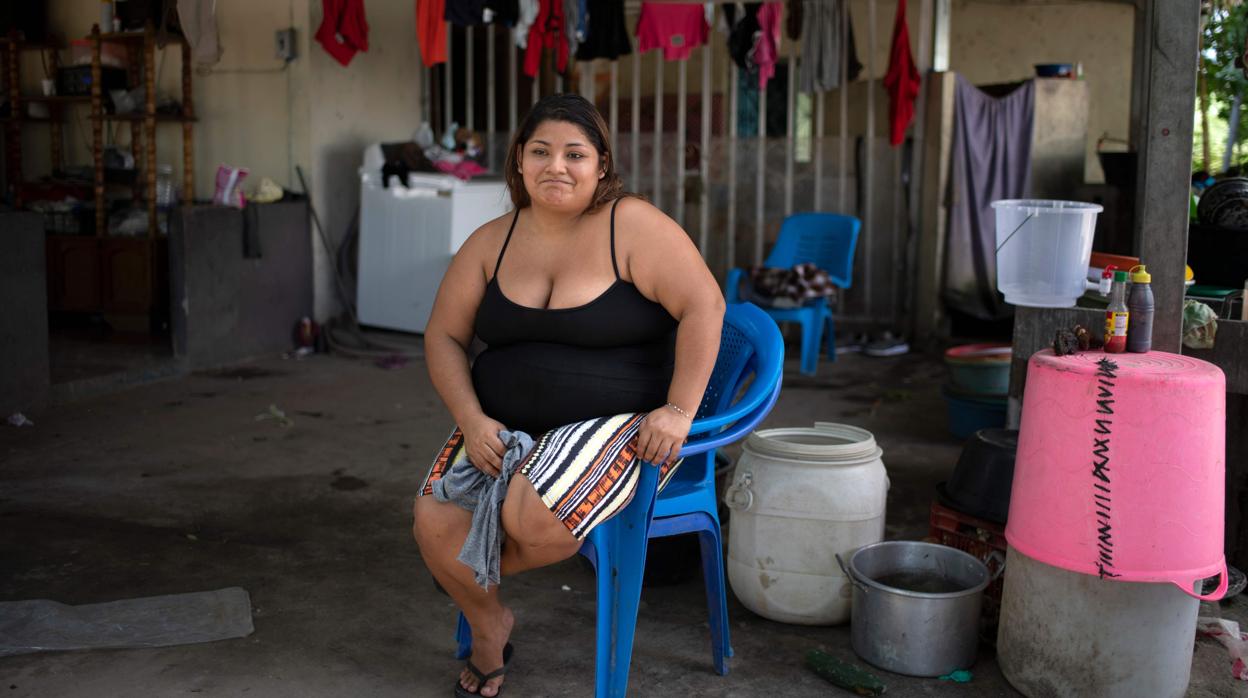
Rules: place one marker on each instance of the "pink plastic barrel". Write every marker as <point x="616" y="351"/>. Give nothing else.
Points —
<point x="1121" y="465"/>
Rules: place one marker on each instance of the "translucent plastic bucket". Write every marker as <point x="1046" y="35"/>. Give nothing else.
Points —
<point x="1043" y="248"/>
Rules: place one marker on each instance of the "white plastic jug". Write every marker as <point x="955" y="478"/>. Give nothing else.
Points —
<point x="799" y="497"/>
<point x="1043" y="248"/>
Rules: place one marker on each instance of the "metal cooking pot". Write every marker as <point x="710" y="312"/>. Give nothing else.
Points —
<point x="916" y="606"/>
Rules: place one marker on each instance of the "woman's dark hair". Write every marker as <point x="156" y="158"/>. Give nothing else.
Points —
<point x="578" y="111"/>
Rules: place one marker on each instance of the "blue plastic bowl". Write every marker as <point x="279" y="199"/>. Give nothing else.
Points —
<point x="968" y="414"/>
<point x="1055" y="70"/>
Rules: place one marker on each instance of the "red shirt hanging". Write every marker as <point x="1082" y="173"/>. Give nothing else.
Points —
<point x="431" y="31"/>
<point x="343" y="31"/>
<point x="547" y="32"/>
<point x="903" y="79"/>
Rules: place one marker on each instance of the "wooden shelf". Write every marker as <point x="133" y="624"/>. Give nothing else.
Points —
<point x="58" y="99"/>
<point x="137" y="36"/>
<point x="46" y="45"/>
<point x="160" y="118"/>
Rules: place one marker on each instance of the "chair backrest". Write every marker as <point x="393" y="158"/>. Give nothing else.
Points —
<point x="826" y="240"/>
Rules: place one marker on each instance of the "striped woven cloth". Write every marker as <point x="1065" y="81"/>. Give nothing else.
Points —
<point x="585" y="472"/>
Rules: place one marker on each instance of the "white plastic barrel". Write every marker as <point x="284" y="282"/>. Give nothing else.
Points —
<point x="1065" y="634"/>
<point x="800" y="496"/>
<point x="1043" y="249"/>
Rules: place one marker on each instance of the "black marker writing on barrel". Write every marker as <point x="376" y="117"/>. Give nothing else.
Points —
<point x="1106" y="375"/>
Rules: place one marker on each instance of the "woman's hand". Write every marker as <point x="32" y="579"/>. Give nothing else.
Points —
<point x="485" y="449"/>
<point x="661" y="436"/>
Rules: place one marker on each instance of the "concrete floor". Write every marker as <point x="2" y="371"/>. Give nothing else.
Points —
<point x="176" y="487"/>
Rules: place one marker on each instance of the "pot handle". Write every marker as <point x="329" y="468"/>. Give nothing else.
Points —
<point x="1190" y="587"/>
<point x="999" y="558"/>
<point x="850" y="576"/>
<point x="739" y="496"/>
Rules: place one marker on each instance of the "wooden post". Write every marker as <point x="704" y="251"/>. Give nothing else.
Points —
<point x="55" y="111"/>
<point x="149" y="124"/>
<point x="13" y="136"/>
<point x="97" y="132"/>
<point x="188" y="118"/>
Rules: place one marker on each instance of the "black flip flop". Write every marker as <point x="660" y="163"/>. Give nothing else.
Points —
<point x="461" y="692"/>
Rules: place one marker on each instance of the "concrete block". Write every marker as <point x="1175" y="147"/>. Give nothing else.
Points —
<point x="25" y="380"/>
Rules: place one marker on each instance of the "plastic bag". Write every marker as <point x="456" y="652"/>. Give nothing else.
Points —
<point x="1200" y="325"/>
<point x="229" y="190"/>
<point x="1236" y="643"/>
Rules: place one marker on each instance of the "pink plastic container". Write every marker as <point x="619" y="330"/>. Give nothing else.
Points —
<point x="1121" y="467"/>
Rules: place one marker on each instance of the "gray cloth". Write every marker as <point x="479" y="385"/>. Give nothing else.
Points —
<point x="463" y="484"/>
<point x="154" y="621"/>
<point x="823" y="46"/>
<point x="991" y="160"/>
<point x="199" y="25"/>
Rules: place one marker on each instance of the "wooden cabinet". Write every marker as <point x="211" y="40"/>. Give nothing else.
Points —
<point x="126" y="275"/>
<point x="73" y="273"/>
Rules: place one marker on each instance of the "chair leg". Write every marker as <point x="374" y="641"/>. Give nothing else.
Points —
<point x="621" y="542"/>
<point x="716" y="596"/>
<point x="463" y="637"/>
<point x="812" y="333"/>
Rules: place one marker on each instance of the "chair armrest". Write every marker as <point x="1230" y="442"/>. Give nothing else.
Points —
<point x="738" y="430"/>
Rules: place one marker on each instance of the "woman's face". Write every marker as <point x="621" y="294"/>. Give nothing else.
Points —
<point x="560" y="167"/>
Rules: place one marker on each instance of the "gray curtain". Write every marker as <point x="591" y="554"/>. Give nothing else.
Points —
<point x="990" y="160"/>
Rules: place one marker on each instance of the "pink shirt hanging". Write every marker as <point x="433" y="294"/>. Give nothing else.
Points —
<point x="676" y="28"/>
<point x="767" y="49"/>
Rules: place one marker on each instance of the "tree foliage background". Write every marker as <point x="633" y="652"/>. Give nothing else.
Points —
<point x="1223" y="84"/>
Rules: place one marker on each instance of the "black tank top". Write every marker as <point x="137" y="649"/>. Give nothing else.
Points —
<point x="544" y="368"/>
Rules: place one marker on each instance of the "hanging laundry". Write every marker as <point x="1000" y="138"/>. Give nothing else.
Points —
<point x="431" y="31"/>
<point x="465" y="13"/>
<point x="199" y="25"/>
<point x="606" y="34"/>
<point x="990" y="159"/>
<point x="902" y="80"/>
<point x="501" y="12"/>
<point x="675" y="28"/>
<point x="851" y="49"/>
<point x="528" y="15"/>
<point x="826" y="43"/>
<point x="741" y="38"/>
<point x="767" y="49"/>
<point x="547" y="32"/>
<point x="571" y="16"/>
<point x="343" y="31"/>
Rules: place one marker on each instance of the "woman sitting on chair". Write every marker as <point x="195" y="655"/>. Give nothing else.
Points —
<point x="580" y="322"/>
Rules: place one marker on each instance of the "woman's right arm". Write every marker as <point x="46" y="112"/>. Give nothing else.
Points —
<point x="447" y="338"/>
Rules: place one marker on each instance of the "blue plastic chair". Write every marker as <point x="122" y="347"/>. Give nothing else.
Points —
<point x="750" y="347"/>
<point x="826" y="240"/>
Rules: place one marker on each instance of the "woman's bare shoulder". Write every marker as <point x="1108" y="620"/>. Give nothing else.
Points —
<point x="641" y="222"/>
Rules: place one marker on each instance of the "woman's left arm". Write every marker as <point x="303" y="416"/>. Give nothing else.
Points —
<point x="664" y="265"/>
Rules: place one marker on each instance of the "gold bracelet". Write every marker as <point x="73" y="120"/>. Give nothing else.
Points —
<point x="679" y="411"/>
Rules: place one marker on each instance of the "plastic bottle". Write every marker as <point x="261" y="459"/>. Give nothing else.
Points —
<point x="166" y="195"/>
<point x="1117" y="315"/>
<point x="1140" y="306"/>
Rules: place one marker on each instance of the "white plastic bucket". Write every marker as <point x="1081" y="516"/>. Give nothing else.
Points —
<point x="801" y="496"/>
<point x="1043" y="248"/>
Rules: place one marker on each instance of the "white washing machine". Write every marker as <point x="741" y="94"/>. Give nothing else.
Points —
<point x="408" y="236"/>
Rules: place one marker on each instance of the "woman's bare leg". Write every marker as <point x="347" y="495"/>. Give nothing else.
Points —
<point x="440" y="529"/>
<point x="535" y="538"/>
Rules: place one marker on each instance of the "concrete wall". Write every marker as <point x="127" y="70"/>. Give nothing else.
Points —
<point x="256" y="112"/>
<point x="24" y="374"/>
<point x="993" y="42"/>
<point x="226" y="307"/>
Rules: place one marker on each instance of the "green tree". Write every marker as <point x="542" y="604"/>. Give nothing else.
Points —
<point x="1224" y="86"/>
